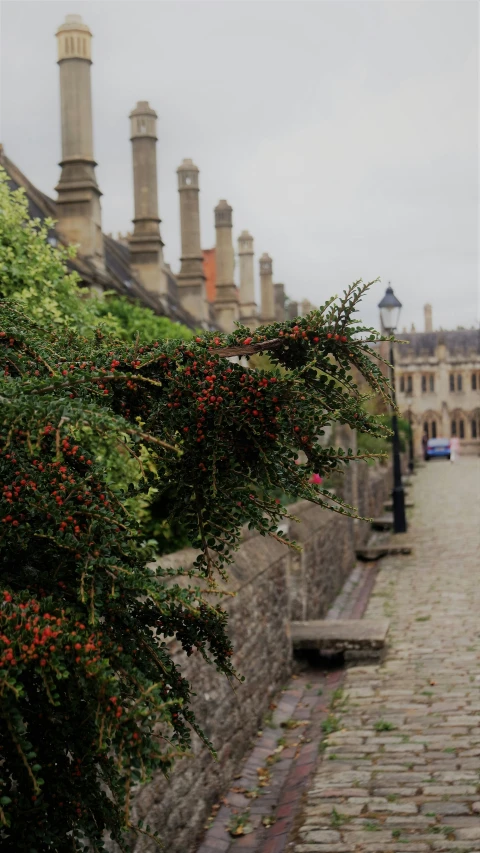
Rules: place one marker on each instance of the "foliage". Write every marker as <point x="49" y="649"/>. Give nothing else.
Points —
<point x="374" y="444"/>
<point x="35" y="274"/>
<point x="90" y="698"/>
<point x="129" y="319"/>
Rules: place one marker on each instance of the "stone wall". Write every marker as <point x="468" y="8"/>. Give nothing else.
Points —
<point x="273" y="584"/>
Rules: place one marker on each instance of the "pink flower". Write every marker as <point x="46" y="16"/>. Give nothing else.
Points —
<point x="316" y="478"/>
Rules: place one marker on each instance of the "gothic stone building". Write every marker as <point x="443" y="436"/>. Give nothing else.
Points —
<point x="438" y="380"/>
<point x="134" y="265"/>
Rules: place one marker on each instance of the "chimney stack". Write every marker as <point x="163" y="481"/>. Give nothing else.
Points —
<point x="292" y="310"/>
<point x="279" y="300"/>
<point x="146" y="247"/>
<point x="428" y="317"/>
<point x="78" y="202"/>
<point x="266" y="289"/>
<point x="191" y="278"/>
<point x="226" y="296"/>
<point x="248" y="307"/>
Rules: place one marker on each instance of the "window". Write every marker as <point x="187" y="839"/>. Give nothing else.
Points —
<point x="454" y="427"/>
<point x="409" y="385"/>
<point x="452" y="382"/>
<point x="459" y="382"/>
<point x="434" y="429"/>
<point x="425" y="429"/>
<point x="474" y="381"/>
<point x="424" y="384"/>
<point x="474" y="428"/>
<point x="431" y="382"/>
<point x="402" y="384"/>
<point x="462" y="429"/>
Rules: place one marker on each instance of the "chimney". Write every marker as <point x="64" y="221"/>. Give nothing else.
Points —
<point x="305" y="307"/>
<point x="146" y="247"/>
<point x="279" y="300"/>
<point x="226" y="295"/>
<point x="292" y="310"/>
<point x="428" y="317"/>
<point x="248" y="307"/>
<point x="266" y="289"/>
<point x="191" y="278"/>
<point x="78" y="202"/>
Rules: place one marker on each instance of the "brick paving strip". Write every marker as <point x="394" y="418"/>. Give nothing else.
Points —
<point x="266" y="797"/>
<point x="402" y="772"/>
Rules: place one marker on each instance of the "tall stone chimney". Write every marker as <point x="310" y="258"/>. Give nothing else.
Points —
<point x="279" y="300"/>
<point x="78" y="202"/>
<point x="146" y="247"/>
<point x="267" y="311"/>
<point x="305" y="307"/>
<point x="428" y="317"/>
<point x="248" y="307"/>
<point x="226" y="296"/>
<point x="292" y="310"/>
<point x="191" y="278"/>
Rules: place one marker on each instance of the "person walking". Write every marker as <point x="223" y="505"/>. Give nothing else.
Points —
<point x="454" y="448"/>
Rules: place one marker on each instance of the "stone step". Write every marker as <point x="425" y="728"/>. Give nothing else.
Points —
<point x="389" y="505"/>
<point x="383" y="522"/>
<point x="356" y="638"/>
<point x="374" y="552"/>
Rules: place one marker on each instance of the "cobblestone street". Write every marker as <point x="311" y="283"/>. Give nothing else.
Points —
<point x="402" y="770"/>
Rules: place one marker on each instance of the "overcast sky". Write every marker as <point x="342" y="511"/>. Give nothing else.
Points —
<point x="343" y="134"/>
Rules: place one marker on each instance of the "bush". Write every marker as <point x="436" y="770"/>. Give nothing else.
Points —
<point x="91" y="701"/>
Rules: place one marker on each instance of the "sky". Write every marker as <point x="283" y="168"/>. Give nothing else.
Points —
<point x="343" y="134"/>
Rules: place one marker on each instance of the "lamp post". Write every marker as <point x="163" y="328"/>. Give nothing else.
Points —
<point x="390" y="313"/>
<point x="411" y="463"/>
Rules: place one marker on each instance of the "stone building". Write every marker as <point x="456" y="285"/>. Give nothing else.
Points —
<point x="438" y="381"/>
<point x="203" y="293"/>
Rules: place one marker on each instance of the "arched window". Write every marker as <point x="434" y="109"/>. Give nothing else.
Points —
<point x="434" y="429"/>
<point x="402" y="384"/>
<point x="474" y="381"/>
<point x="459" y="382"/>
<point x="409" y="384"/>
<point x="462" y="429"/>
<point x="474" y="428"/>
<point x="431" y="381"/>
<point x="452" y="382"/>
<point x="426" y="430"/>
<point x="454" y="428"/>
<point x="424" y="384"/>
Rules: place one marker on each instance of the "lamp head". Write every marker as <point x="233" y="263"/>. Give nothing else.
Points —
<point x="390" y="308"/>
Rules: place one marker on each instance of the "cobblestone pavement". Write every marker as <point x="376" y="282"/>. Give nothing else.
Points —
<point x="266" y="797"/>
<point x="401" y="774"/>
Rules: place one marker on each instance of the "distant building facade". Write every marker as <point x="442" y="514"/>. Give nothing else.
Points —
<point x="203" y="293"/>
<point x="438" y="380"/>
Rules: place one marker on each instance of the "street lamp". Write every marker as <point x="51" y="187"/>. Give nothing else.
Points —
<point x="389" y="313"/>
<point x="411" y="463"/>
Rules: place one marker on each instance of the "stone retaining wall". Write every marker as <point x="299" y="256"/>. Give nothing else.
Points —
<point x="273" y="585"/>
